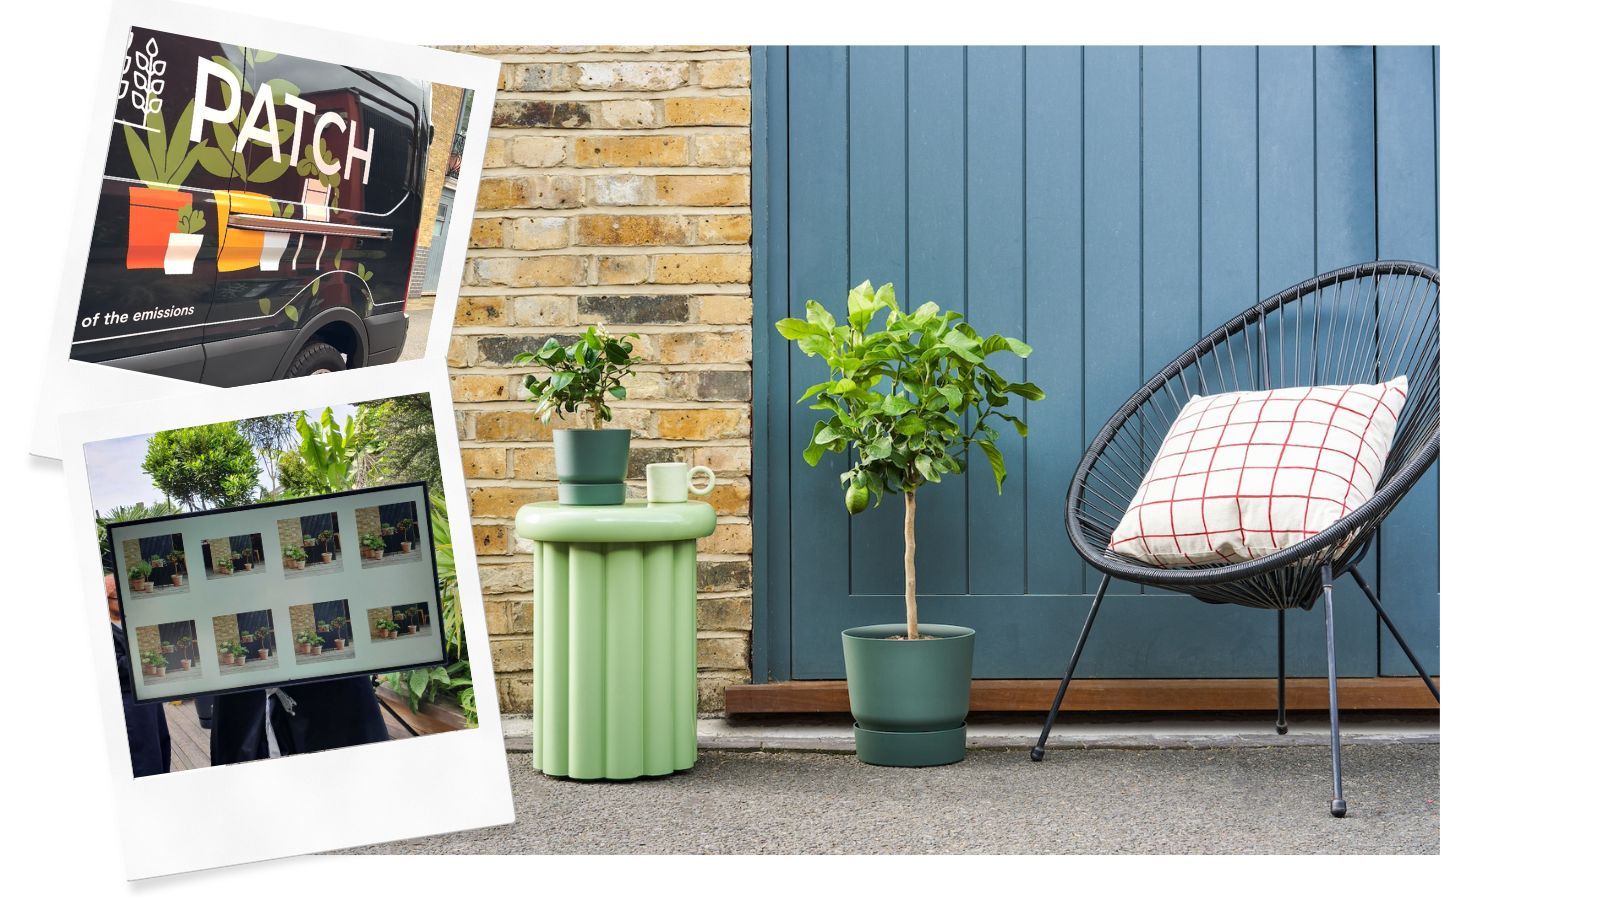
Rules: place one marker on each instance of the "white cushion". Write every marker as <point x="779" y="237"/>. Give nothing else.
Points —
<point x="1246" y="474"/>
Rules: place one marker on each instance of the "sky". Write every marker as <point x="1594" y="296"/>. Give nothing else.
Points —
<point x="117" y="479"/>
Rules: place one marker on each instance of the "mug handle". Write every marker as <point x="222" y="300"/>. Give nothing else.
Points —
<point x="711" y="481"/>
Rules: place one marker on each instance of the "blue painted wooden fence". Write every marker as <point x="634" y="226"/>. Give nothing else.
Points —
<point x="1108" y="204"/>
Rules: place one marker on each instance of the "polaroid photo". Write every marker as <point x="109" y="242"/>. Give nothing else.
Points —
<point x="281" y="581"/>
<point x="271" y="201"/>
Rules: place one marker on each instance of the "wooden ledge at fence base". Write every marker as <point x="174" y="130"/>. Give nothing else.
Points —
<point x="1111" y="694"/>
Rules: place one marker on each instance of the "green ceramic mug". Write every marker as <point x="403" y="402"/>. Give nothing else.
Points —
<point x="673" y="482"/>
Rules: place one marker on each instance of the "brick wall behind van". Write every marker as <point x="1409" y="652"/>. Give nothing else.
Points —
<point x="616" y="190"/>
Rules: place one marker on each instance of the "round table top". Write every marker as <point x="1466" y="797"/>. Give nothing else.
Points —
<point x="635" y="521"/>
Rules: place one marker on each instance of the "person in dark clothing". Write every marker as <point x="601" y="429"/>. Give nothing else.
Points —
<point x="149" y="742"/>
<point x="305" y="718"/>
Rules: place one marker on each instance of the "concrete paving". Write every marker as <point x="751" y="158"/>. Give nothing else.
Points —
<point x="419" y="315"/>
<point x="1178" y="798"/>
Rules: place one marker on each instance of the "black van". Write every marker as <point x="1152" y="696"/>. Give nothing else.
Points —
<point x="258" y="216"/>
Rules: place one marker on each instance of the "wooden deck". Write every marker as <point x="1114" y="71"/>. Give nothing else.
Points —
<point x="191" y="744"/>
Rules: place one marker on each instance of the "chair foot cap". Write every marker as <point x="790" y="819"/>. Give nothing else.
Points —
<point x="1036" y="754"/>
<point x="1338" y="809"/>
<point x="1283" y="729"/>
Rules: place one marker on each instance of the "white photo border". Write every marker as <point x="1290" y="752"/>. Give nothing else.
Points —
<point x="469" y="784"/>
<point x="68" y="384"/>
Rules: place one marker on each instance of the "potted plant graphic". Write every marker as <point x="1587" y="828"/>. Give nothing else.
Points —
<point x="240" y="654"/>
<point x="139" y="577"/>
<point x="405" y="535"/>
<point x="905" y="402"/>
<point x="316" y="643"/>
<point x="372" y="545"/>
<point x="158" y="665"/>
<point x="183" y="649"/>
<point x="273" y="243"/>
<point x="183" y="245"/>
<point x="223" y="566"/>
<point x="225" y="653"/>
<point x="326" y="539"/>
<point x="339" y="639"/>
<point x="302" y="643"/>
<point x="590" y="463"/>
<point x="162" y="161"/>
<point x="262" y="633"/>
<point x="145" y="665"/>
<point x="294" y="558"/>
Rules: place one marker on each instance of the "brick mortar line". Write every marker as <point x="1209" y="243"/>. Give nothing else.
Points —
<point x="599" y="94"/>
<point x="739" y="249"/>
<point x="685" y="169"/>
<point x="584" y="290"/>
<point x="649" y="55"/>
<point x="611" y="131"/>
<point x="534" y="212"/>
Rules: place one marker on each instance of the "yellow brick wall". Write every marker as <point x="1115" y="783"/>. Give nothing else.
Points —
<point x="147" y="638"/>
<point x="367" y="521"/>
<point x="301" y="618"/>
<point x="616" y="190"/>
<point x="225" y="628"/>
<point x="373" y="615"/>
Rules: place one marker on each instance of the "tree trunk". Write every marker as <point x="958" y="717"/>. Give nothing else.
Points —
<point x="594" y="415"/>
<point x="911" y="565"/>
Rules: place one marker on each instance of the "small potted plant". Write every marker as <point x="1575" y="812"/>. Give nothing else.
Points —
<point x="372" y="545"/>
<point x="225" y="653"/>
<point x="183" y="245"/>
<point x="590" y="463"/>
<point x="302" y="643"/>
<point x="223" y="566"/>
<point x="183" y="650"/>
<point x="338" y="625"/>
<point x="158" y="665"/>
<point x="905" y="402"/>
<point x="261" y="638"/>
<point x="316" y="643"/>
<point x="139" y="577"/>
<point x="240" y="654"/>
<point x="326" y="538"/>
<point x="249" y="556"/>
<point x="294" y="558"/>
<point x="179" y="562"/>
<point x="145" y="665"/>
<point x="405" y="535"/>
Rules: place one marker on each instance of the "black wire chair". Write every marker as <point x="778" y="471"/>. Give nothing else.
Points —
<point x="1362" y="324"/>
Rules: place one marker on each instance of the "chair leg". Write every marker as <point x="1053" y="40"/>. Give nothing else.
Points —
<point x="1338" y="806"/>
<point x="1416" y="663"/>
<point x="1283" y="719"/>
<point x="1037" y="753"/>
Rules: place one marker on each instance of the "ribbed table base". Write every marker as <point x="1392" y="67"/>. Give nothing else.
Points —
<point x="614" y="659"/>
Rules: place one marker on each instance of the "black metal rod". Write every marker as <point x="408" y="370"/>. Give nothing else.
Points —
<point x="1338" y="806"/>
<point x="1283" y="719"/>
<point x="1417" y="663"/>
<point x="1061" y="692"/>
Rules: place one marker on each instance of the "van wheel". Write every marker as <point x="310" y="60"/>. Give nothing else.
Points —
<point x="316" y="358"/>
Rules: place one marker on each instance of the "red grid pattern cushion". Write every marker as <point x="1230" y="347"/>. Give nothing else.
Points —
<point x="1242" y="475"/>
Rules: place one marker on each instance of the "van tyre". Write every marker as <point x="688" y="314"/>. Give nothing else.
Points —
<point x="316" y="358"/>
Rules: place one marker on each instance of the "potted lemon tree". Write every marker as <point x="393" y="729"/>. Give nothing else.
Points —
<point x="905" y="402"/>
<point x="592" y="462"/>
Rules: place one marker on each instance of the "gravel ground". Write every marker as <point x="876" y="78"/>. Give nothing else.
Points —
<point x="1076" y="801"/>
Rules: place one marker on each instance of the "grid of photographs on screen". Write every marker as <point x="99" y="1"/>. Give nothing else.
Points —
<point x="275" y="600"/>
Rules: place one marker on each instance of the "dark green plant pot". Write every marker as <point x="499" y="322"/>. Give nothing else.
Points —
<point x="591" y="465"/>
<point x="909" y="698"/>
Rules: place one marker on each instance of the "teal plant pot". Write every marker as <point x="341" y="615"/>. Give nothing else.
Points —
<point x="909" y="698"/>
<point x="591" y="465"/>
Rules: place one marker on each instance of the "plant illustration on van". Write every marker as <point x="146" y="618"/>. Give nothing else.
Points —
<point x="162" y="160"/>
<point x="183" y="245"/>
<point x="273" y="243"/>
<point x="147" y="69"/>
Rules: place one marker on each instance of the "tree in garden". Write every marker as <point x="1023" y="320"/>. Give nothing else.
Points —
<point x="332" y="457"/>
<point x="204" y="467"/>
<point x="405" y="432"/>
<point x="126" y="514"/>
<point x="270" y="436"/>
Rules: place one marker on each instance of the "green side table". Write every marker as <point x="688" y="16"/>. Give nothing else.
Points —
<point x="614" y="636"/>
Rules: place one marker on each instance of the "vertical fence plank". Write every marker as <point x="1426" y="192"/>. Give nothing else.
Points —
<point x="1407" y="176"/>
<point x="1054" y="254"/>
<point x="877" y="181"/>
<point x="995" y="304"/>
<point x="936" y="240"/>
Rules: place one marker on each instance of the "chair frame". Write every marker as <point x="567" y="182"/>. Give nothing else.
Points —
<point x="1404" y="338"/>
